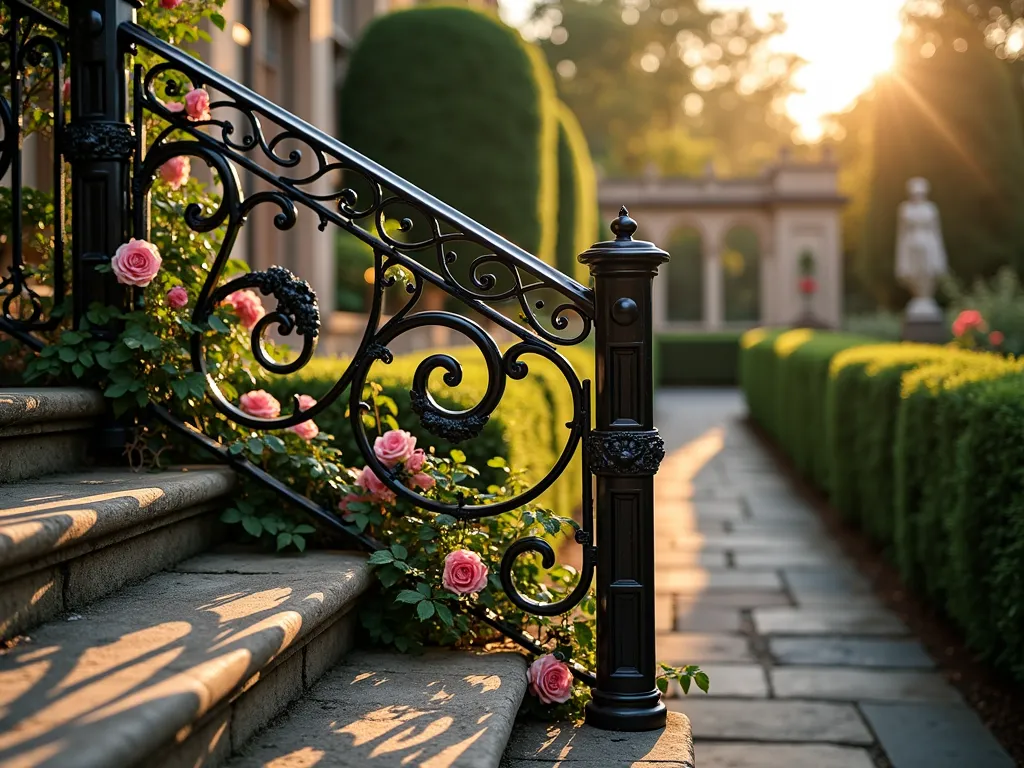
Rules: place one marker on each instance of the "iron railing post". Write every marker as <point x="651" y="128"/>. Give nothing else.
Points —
<point x="98" y="143"/>
<point x="625" y="451"/>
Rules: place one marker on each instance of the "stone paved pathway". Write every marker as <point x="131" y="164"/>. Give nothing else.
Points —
<point x="808" y="669"/>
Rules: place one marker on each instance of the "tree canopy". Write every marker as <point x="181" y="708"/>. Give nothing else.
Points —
<point x="947" y="112"/>
<point x="665" y="82"/>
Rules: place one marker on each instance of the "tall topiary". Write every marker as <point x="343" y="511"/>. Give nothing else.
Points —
<point x="952" y="118"/>
<point x="577" y="195"/>
<point x="457" y="103"/>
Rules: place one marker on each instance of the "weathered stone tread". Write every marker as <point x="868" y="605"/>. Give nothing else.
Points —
<point x="136" y="674"/>
<point x="32" y="406"/>
<point x="444" y="709"/>
<point x="41" y="516"/>
<point x="563" y="745"/>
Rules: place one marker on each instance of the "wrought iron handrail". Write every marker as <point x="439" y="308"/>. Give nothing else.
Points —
<point x="114" y="162"/>
<point x="296" y="127"/>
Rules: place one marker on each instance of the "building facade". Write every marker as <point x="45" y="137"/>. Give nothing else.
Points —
<point x="741" y="247"/>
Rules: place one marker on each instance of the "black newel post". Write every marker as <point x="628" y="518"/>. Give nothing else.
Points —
<point x="625" y="451"/>
<point x="98" y="143"/>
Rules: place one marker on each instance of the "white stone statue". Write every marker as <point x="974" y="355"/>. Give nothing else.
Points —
<point x="920" y="253"/>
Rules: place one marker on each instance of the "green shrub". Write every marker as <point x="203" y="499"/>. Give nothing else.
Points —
<point x="528" y="427"/>
<point x="696" y="359"/>
<point x="577" y="196"/>
<point x="784" y="376"/>
<point x="1000" y="302"/>
<point x="925" y="452"/>
<point x="864" y="393"/>
<point x="457" y="103"/>
<point x="986" y="529"/>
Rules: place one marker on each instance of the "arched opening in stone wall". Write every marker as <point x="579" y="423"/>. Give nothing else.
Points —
<point x="741" y="275"/>
<point x="685" y="276"/>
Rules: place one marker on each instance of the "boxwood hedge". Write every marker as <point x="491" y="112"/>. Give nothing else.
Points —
<point x="924" y="450"/>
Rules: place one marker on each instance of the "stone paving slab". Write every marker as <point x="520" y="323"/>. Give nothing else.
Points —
<point x="785" y="558"/>
<point x="700" y="617"/>
<point x="827" y="621"/>
<point x="846" y="684"/>
<point x="834" y="581"/>
<point x="697" y="580"/>
<point x="682" y="648"/>
<point x="736" y="598"/>
<point x="727" y="680"/>
<point x="834" y="657"/>
<point x="850" y="651"/>
<point x="781" y="756"/>
<point x="772" y="720"/>
<point x="934" y="736"/>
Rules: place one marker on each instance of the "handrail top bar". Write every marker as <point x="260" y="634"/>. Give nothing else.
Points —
<point x="40" y="16"/>
<point x="582" y="296"/>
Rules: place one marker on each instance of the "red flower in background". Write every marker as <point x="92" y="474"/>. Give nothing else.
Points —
<point x="996" y="338"/>
<point x="968" y="320"/>
<point x="808" y="285"/>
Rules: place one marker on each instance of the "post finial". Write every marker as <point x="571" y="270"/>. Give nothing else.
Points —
<point x="623" y="227"/>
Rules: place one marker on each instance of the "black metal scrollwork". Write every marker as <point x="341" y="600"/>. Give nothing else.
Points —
<point x="32" y="39"/>
<point x="268" y="143"/>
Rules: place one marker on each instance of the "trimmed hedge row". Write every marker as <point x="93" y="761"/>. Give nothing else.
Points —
<point x="459" y="104"/>
<point x="696" y="359"/>
<point x="783" y="374"/>
<point x="923" y="448"/>
<point x="528" y="427"/>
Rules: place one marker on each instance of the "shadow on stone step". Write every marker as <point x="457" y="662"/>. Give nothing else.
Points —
<point x="563" y="745"/>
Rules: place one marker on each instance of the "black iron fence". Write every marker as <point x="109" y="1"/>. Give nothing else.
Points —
<point x="118" y="78"/>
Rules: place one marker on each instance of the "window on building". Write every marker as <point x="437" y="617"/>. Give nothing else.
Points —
<point x="686" y="277"/>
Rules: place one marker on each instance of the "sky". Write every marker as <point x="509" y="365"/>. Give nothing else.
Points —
<point x="844" y="49"/>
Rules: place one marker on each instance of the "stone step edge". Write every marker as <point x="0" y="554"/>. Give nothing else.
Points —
<point x="22" y="407"/>
<point x="280" y="684"/>
<point x="379" y="708"/>
<point x="207" y="695"/>
<point x="92" y="522"/>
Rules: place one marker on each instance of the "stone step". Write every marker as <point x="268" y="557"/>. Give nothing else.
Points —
<point x="536" y="744"/>
<point x="179" y="669"/>
<point x="443" y="709"/>
<point x="43" y="431"/>
<point x="66" y="540"/>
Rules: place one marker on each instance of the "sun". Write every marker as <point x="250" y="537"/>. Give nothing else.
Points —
<point x="844" y="55"/>
<point x="845" y="47"/>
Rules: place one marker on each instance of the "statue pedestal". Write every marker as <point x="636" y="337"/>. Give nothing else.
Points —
<point x="924" y="322"/>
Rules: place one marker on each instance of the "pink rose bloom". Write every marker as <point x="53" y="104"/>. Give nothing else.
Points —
<point x="67" y="89"/>
<point x="415" y="462"/>
<point x="177" y="297"/>
<point x="247" y="306"/>
<point x="175" y="106"/>
<point x="176" y="171"/>
<point x="373" y="485"/>
<point x="197" y="104"/>
<point x="260" y="404"/>
<point x="136" y="263"/>
<point x="307" y="430"/>
<point x="996" y="338"/>
<point x="550" y="680"/>
<point x="394" y="446"/>
<point x="170" y="4"/>
<point x="968" y="320"/>
<point x="422" y="481"/>
<point x="464" y="572"/>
